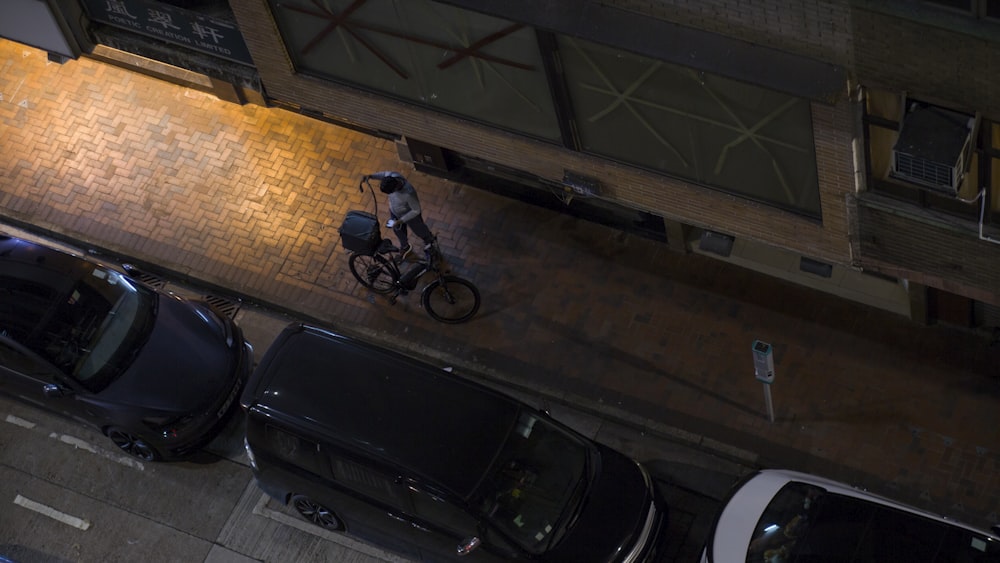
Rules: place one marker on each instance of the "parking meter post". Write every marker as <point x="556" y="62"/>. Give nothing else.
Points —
<point x="767" y="402"/>
<point x="763" y="368"/>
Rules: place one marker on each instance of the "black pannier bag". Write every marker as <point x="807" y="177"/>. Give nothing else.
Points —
<point x="360" y="233"/>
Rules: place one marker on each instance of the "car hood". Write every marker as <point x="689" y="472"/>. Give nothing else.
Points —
<point x="613" y="514"/>
<point x="183" y="366"/>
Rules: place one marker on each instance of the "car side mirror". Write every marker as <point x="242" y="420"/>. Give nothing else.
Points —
<point x="53" y="391"/>
<point x="467" y="545"/>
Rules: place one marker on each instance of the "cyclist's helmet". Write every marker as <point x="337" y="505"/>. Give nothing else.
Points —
<point x="390" y="184"/>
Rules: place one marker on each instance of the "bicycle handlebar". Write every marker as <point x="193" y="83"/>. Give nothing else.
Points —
<point x="361" y="187"/>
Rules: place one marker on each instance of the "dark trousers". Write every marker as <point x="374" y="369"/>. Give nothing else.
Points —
<point x="419" y="228"/>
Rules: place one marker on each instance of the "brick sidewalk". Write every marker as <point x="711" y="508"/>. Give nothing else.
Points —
<point x="249" y="199"/>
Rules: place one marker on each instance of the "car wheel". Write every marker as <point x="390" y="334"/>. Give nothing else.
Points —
<point x="317" y="513"/>
<point x="133" y="445"/>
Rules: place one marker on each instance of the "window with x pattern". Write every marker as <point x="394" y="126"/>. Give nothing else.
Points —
<point x="445" y="58"/>
<point x="704" y="128"/>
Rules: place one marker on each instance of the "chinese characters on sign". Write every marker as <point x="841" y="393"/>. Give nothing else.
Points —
<point x="181" y="27"/>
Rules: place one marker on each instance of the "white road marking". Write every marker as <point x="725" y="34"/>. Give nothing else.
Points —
<point x="52" y="513"/>
<point x="84" y="445"/>
<point x="19" y="421"/>
<point x="75" y="442"/>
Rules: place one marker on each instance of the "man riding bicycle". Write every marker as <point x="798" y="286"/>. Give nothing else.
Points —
<point x="404" y="209"/>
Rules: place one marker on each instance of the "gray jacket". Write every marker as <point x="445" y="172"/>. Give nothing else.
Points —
<point x="403" y="203"/>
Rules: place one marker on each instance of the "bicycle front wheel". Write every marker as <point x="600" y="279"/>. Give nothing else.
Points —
<point x="450" y="299"/>
<point x="374" y="272"/>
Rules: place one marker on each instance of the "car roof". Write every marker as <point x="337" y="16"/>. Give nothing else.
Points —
<point x="431" y="422"/>
<point x="741" y="513"/>
<point x="35" y="278"/>
<point x="21" y="250"/>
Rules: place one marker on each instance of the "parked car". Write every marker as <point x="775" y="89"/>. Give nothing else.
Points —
<point x="429" y="464"/>
<point x="156" y="373"/>
<point x="778" y="516"/>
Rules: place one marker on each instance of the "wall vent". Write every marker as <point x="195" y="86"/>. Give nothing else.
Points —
<point x="716" y="243"/>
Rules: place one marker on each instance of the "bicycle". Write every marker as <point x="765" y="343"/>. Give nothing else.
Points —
<point x="376" y="264"/>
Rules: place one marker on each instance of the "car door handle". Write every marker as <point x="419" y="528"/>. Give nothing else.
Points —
<point x="407" y="521"/>
<point x="397" y="517"/>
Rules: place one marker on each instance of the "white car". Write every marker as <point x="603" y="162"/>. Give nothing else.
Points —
<point x="777" y="516"/>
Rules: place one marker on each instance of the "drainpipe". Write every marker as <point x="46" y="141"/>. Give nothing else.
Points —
<point x="982" y="215"/>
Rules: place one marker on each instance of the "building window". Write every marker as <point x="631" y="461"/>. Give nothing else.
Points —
<point x="444" y="58"/>
<point x="700" y="127"/>
<point x="977" y="8"/>
<point x="937" y="157"/>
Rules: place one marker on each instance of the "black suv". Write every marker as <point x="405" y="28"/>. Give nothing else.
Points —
<point x="429" y="464"/>
<point x="156" y="373"/>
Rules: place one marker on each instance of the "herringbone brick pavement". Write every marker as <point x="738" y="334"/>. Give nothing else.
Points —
<point x="249" y="199"/>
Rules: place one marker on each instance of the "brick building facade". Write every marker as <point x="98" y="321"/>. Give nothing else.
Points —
<point x="770" y="134"/>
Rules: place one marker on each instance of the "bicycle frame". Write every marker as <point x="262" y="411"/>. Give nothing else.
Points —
<point x="407" y="281"/>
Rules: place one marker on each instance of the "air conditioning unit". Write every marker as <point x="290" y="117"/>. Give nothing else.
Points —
<point x="933" y="148"/>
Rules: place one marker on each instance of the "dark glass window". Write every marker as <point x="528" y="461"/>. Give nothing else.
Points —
<point x="434" y="508"/>
<point x="806" y="523"/>
<point x="301" y="453"/>
<point x="366" y="480"/>
<point x="90" y="328"/>
<point x="675" y="120"/>
<point x="16" y="360"/>
<point x="445" y="58"/>
<point x="964" y="546"/>
<point x="710" y="130"/>
<point x="992" y="8"/>
<point x="537" y="483"/>
<point x="965" y="5"/>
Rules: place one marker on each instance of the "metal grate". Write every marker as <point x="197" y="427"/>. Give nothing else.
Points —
<point x="924" y="171"/>
<point x="146" y="278"/>
<point x="227" y="306"/>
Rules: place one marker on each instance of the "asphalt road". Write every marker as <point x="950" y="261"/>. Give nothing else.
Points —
<point x="68" y="495"/>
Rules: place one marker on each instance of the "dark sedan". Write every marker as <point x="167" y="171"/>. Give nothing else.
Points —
<point x="156" y="373"/>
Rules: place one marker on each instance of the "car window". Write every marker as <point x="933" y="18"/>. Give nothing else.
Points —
<point x="298" y="451"/>
<point x="894" y="535"/>
<point x="437" y="509"/>
<point x="21" y="362"/>
<point x="804" y="523"/>
<point x="24" y="305"/>
<point x="784" y="521"/>
<point x="90" y="330"/>
<point x="964" y="546"/>
<point x="537" y="483"/>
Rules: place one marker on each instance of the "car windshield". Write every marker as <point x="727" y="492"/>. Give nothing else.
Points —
<point x="805" y="523"/>
<point x="537" y="483"/>
<point x="91" y="330"/>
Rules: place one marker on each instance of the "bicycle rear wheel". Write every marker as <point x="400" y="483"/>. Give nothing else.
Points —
<point x="374" y="272"/>
<point x="450" y="299"/>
